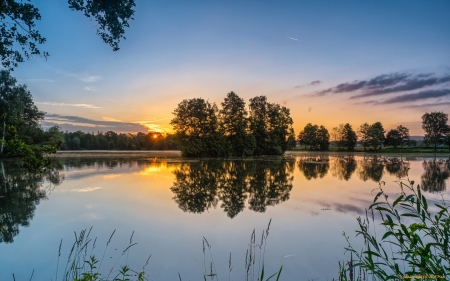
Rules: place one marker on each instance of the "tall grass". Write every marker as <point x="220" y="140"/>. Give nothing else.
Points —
<point x="415" y="242"/>
<point x="254" y="260"/>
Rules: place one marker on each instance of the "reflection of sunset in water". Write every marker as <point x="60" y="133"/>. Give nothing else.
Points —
<point x="172" y="203"/>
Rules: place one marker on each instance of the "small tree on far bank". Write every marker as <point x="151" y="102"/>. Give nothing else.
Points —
<point x="315" y="137"/>
<point x="436" y="128"/>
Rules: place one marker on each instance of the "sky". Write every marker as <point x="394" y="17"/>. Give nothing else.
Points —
<point x="329" y="62"/>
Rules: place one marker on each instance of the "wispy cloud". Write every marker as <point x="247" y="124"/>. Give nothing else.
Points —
<point x="68" y="104"/>
<point x="86" y="189"/>
<point x="89" y="79"/>
<point x="292" y="38"/>
<point x="38" y="80"/>
<point x="386" y="84"/>
<point x="82" y="77"/>
<point x="75" y="123"/>
<point x="91" y="89"/>
<point x="110" y="119"/>
<point x="418" y="96"/>
<point x="427" y="105"/>
<point x="313" y="83"/>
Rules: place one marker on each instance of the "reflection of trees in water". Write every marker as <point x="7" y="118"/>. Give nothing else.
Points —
<point x="270" y="184"/>
<point x="314" y="167"/>
<point x="343" y="167"/>
<point x="195" y="185"/>
<point x="20" y="192"/>
<point x="371" y="168"/>
<point x="396" y="167"/>
<point x="436" y="172"/>
<point x="199" y="185"/>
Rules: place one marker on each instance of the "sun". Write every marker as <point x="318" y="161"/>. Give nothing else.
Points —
<point x="155" y="136"/>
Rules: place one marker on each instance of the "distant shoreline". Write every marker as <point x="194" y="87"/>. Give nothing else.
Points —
<point x="177" y="153"/>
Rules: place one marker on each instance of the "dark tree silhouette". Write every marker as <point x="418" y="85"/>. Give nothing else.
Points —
<point x="343" y="167"/>
<point x="314" y="167"/>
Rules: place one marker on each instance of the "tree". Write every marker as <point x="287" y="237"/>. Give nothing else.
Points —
<point x="376" y="135"/>
<point x="323" y="138"/>
<point x="234" y="121"/>
<point x="363" y="134"/>
<point x="197" y="129"/>
<point x="20" y="38"/>
<point x="271" y="125"/>
<point x="394" y="138"/>
<point x="314" y="136"/>
<point x="404" y="134"/>
<point x="435" y="126"/>
<point x="349" y="138"/>
<point x="308" y="135"/>
<point x="337" y="135"/>
<point x="19" y="115"/>
<point x="371" y="135"/>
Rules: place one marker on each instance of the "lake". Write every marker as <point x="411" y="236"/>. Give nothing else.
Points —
<point x="168" y="204"/>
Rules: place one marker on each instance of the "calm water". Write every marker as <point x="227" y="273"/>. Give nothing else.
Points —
<point x="170" y="204"/>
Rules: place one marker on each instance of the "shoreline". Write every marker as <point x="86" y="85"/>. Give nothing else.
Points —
<point x="177" y="154"/>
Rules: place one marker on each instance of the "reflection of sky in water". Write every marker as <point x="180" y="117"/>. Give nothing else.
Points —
<point x="327" y="195"/>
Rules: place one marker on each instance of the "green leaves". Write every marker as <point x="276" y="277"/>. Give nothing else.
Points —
<point x="421" y="240"/>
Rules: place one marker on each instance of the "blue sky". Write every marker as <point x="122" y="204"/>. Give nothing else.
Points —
<point x="396" y="51"/>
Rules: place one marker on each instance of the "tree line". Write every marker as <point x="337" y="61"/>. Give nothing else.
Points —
<point x="374" y="136"/>
<point x="204" y="130"/>
<point x="118" y="141"/>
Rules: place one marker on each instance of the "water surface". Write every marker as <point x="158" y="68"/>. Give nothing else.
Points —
<point x="171" y="204"/>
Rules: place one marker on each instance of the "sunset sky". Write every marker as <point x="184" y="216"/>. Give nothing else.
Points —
<point x="330" y="62"/>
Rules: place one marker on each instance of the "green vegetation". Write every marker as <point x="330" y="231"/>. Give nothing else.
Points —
<point x="202" y="130"/>
<point x="22" y="136"/>
<point x="20" y="38"/>
<point x="437" y="131"/>
<point x="317" y="138"/>
<point x="117" y="141"/>
<point x="415" y="242"/>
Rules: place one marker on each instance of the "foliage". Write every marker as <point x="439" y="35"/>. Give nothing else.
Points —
<point x="18" y="26"/>
<point x="393" y="138"/>
<point x="111" y="140"/>
<point x="398" y="136"/>
<point x="271" y="125"/>
<point x="436" y="128"/>
<point x="197" y="129"/>
<point x="202" y="130"/>
<point x="415" y="241"/>
<point x="344" y="137"/>
<point x="371" y="135"/>
<point x="112" y="17"/>
<point x="314" y="136"/>
<point x="82" y="264"/>
<point x="235" y="123"/>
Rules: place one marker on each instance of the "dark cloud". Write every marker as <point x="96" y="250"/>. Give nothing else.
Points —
<point x="412" y="84"/>
<point x="418" y="96"/>
<point x="75" y="123"/>
<point x="313" y="83"/>
<point x="427" y="105"/>
<point x="386" y="84"/>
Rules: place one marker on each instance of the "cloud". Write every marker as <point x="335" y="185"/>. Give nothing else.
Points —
<point x="67" y="104"/>
<point x="418" y="96"/>
<point x="91" y="89"/>
<point x="86" y="189"/>
<point x="82" y="77"/>
<point x="426" y="105"/>
<point x="313" y="83"/>
<point x="38" y="80"/>
<point x="89" y="79"/>
<point x="292" y="38"/>
<point x="386" y="84"/>
<point x="75" y="123"/>
<point x="411" y="84"/>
